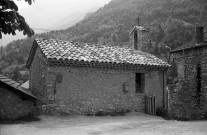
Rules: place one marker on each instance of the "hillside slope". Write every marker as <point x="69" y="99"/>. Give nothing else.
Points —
<point x="169" y="21"/>
<point x="71" y="19"/>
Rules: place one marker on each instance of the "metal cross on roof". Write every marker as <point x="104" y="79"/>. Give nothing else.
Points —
<point x="138" y="20"/>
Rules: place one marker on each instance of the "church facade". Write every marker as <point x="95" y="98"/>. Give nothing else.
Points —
<point x="81" y="78"/>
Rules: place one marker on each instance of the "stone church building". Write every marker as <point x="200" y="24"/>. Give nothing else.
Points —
<point x="81" y="78"/>
<point x="188" y="99"/>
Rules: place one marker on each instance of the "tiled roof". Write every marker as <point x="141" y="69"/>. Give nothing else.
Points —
<point x="16" y="87"/>
<point x="65" y="51"/>
<point x="189" y="45"/>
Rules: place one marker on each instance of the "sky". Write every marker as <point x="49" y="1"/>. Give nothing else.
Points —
<point x="50" y="11"/>
<point x="45" y="13"/>
<point x="77" y="4"/>
<point x="21" y="4"/>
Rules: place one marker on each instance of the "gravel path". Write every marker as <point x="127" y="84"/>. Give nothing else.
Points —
<point x="132" y="124"/>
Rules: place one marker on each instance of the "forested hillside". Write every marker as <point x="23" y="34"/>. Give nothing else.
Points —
<point x="171" y="22"/>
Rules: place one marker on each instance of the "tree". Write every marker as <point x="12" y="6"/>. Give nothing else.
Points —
<point x="11" y="20"/>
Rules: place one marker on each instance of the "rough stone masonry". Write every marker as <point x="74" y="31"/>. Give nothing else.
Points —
<point x="12" y="106"/>
<point x="188" y="97"/>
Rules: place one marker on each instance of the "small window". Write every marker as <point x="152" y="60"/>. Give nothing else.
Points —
<point x="139" y="82"/>
<point x="125" y="88"/>
<point x="59" y="78"/>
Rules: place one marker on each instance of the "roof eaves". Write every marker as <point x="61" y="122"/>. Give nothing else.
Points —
<point x="31" y="54"/>
<point x="15" y="87"/>
<point x="76" y="63"/>
<point x="132" y="30"/>
<point x="190" y="47"/>
<point x="137" y="28"/>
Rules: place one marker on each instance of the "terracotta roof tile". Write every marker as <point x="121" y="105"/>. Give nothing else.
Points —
<point x="75" y="51"/>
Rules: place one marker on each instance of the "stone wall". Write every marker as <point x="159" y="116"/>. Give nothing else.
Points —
<point x="38" y="72"/>
<point x="12" y="106"/>
<point x="185" y="102"/>
<point x="89" y="90"/>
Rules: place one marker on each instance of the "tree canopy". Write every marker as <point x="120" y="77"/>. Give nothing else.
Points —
<point x="11" y="20"/>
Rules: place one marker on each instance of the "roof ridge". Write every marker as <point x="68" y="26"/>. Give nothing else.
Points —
<point x="96" y="44"/>
<point x="93" y="44"/>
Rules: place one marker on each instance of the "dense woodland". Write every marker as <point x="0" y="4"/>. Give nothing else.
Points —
<point x="171" y="23"/>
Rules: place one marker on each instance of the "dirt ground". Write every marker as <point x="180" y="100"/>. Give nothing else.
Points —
<point x="131" y="124"/>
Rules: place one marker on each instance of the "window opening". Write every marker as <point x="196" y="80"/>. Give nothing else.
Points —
<point x="135" y="40"/>
<point x="139" y="80"/>
<point x="198" y="81"/>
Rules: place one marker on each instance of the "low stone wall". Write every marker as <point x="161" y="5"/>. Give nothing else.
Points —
<point x="12" y="106"/>
<point x="92" y="106"/>
<point x="89" y="91"/>
<point x="183" y="103"/>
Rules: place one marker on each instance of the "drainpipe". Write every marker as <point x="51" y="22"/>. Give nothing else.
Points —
<point x="164" y="92"/>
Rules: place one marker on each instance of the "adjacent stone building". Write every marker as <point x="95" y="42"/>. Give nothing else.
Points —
<point x="15" y="102"/>
<point x="188" y="97"/>
<point x="81" y="78"/>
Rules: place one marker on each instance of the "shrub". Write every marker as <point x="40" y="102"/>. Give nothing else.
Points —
<point x="161" y="111"/>
<point x="20" y="120"/>
<point x="121" y="112"/>
<point x="102" y="113"/>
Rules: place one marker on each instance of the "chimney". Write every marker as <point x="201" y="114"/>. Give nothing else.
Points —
<point x="199" y="35"/>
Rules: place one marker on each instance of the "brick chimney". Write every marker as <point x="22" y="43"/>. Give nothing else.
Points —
<point x="199" y="35"/>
